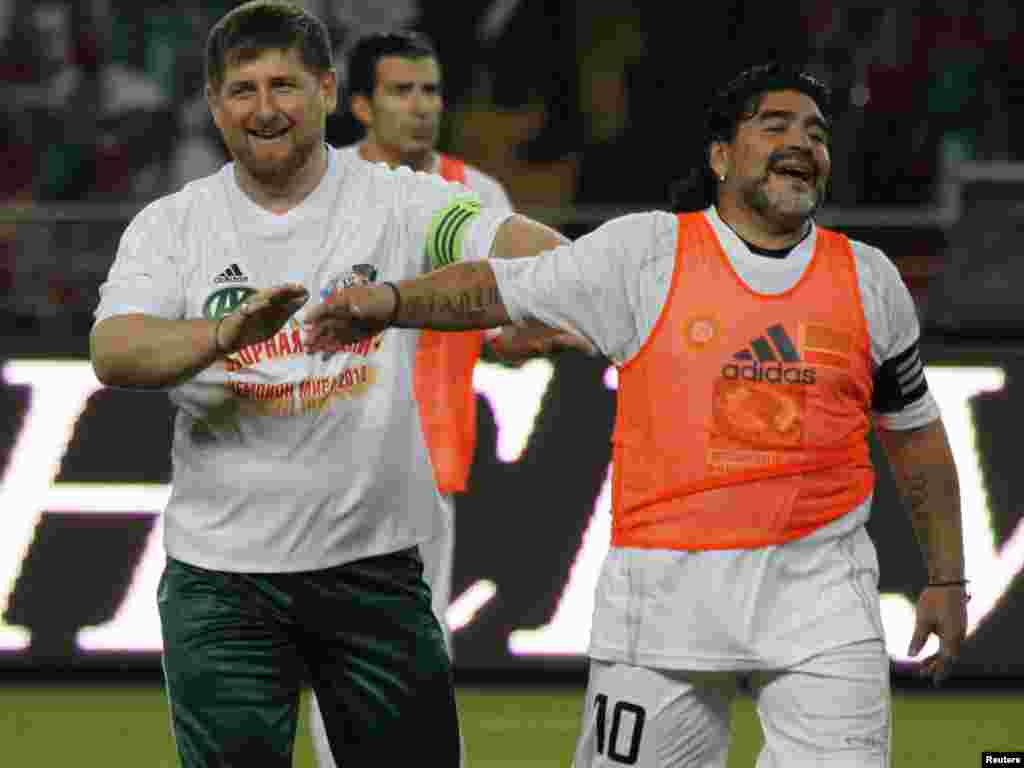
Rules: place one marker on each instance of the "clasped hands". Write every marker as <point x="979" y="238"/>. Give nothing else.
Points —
<point x="351" y="314"/>
<point x="346" y="316"/>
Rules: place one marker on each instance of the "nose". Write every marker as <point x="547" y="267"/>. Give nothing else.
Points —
<point x="423" y="102"/>
<point x="266" y="105"/>
<point x="800" y="138"/>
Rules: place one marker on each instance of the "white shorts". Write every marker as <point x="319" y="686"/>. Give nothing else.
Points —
<point x="833" y="709"/>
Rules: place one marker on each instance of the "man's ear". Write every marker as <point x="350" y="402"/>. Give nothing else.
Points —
<point x="329" y="88"/>
<point x="213" y="102"/>
<point x="719" y="159"/>
<point x="360" y="106"/>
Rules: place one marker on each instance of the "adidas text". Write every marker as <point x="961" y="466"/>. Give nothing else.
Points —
<point x="772" y="374"/>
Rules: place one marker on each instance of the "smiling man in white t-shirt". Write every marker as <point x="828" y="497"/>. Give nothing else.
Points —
<point x="302" y="486"/>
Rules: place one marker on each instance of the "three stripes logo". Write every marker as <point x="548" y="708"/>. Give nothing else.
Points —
<point x="232" y="274"/>
<point x="772" y="358"/>
<point x="766" y="352"/>
<point x="444" y="237"/>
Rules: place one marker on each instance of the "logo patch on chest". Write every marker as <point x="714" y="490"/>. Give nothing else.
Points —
<point x="224" y="301"/>
<point x="701" y="331"/>
<point x="360" y="274"/>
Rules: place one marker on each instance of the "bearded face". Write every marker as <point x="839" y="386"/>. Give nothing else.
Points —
<point x="779" y="164"/>
<point x="271" y="111"/>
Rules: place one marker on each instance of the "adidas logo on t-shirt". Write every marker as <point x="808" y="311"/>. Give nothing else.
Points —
<point x="232" y="274"/>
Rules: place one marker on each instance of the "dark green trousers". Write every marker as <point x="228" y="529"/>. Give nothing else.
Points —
<point x="238" y="647"/>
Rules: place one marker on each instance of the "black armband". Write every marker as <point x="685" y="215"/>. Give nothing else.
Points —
<point x="899" y="381"/>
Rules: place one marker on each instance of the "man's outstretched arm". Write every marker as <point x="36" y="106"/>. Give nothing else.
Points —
<point x="460" y="297"/>
<point x="142" y="351"/>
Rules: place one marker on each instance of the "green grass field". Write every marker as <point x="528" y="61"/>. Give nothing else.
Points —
<point x="109" y="727"/>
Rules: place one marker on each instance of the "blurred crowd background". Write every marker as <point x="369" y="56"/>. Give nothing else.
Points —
<point x="581" y="109"/>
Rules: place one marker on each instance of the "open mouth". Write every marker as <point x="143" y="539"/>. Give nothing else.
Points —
<point x="268" y="135"/>
<point x="798" y="172"/>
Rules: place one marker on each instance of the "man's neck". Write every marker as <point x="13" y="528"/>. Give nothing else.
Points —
<point x="376" y="153"/>
<point x="757" y="230"/>
<point x="283" y="197"/>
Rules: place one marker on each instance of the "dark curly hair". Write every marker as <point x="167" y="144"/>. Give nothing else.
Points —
<point x="262" y="25"/>
<point x="739" y="100"/>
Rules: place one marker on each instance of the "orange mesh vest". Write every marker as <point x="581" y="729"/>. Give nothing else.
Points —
<point x="743" y="420"/>
<point x="443" y="382"/>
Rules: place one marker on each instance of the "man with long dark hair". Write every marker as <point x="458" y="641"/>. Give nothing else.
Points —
<point x="755" y="351"/>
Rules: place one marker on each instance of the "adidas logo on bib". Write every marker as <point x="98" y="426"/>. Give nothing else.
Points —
<point x="770" y="359"/>
<point x="767" y="353"/>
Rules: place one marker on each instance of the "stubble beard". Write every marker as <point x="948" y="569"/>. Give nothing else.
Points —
<point x="277" y="173"/>
<point x="419" y="154"/>
<point x="790" y="208"/>
<point x="419" y="158"/>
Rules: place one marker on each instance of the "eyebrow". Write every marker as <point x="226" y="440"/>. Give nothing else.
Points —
<point x="249" y="81"/>
<point x="785" y="114"/>
<point x="410" y="84"/>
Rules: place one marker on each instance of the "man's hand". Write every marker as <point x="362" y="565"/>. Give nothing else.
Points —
<point x="348" y="315"/>
<point x="260" y="317"/>
<point x="941" y="611"/>
<point x="562" y="341"/>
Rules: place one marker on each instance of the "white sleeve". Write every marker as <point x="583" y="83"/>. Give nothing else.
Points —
<point x="491" y="192"/>
<point x="144" y="278"/>
<point x="443" y="222"/>
<point x="902" y="400"/>
<point x="607" y="286"/>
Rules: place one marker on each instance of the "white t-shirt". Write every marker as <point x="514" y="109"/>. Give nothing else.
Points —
<point x="286" y="461"/>
<point x="768" y="607"/>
